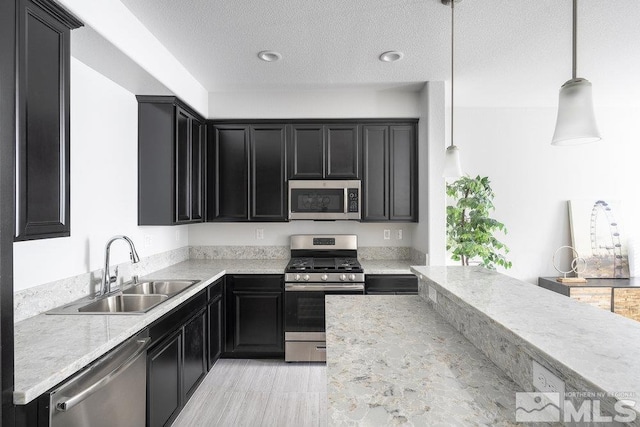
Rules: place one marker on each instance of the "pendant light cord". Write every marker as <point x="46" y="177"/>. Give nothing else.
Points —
<point x="452" y="20"/>
<point x="575" y="38"/>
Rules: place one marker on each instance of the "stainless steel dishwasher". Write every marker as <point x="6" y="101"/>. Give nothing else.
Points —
<point x="110" y="392"/>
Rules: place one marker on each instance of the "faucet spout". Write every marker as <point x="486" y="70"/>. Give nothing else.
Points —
<point x="107" y="278"/>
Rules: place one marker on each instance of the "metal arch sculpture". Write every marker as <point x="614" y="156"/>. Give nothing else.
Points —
<point x="601" y="206"/>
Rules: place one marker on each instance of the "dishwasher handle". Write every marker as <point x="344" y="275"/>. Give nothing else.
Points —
<point x="72" y="401"/>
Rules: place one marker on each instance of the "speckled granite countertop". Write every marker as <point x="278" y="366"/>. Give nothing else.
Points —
<point x="587" y="344"/>
<point x="386" y="266"/>
<point x="392" y="360"/>
<point x="51" y="348"/>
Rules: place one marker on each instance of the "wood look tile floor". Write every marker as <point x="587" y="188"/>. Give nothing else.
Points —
<point x="247" y="392"/>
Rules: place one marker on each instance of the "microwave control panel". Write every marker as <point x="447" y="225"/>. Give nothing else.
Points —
<point x="354" y="202"/>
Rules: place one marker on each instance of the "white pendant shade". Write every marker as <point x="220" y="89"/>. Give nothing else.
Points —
<point x="576" y="123"/>
<point x="452" y="168"/>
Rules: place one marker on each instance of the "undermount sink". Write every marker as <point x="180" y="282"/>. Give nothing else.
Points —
<point x="136" y="299"/>
<point x="162" y="287"/>
<point x="124" y="304"/>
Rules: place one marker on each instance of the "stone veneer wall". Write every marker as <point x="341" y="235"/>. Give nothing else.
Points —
<point x="507" y="350"/>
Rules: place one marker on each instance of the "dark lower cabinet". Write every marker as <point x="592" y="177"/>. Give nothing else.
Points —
<point x="215" y="317"/>
<point x="177" y="359"/>
<point x="254" y="316"/>
<point x="43" y="120"/>
<point x="391" y="284"/>
<point x="195" y="357"/>
<point x="390" y="173"/>
<point x="164" y="376"/>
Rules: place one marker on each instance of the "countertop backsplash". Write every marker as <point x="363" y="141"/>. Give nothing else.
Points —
<point x="33" y="301"/>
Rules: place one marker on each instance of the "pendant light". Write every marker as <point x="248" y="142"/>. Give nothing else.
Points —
<point x="576" y="122"/>
<point x="452" y="168"/>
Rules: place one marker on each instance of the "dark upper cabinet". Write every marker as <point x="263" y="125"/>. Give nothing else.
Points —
<point x="324" y="151"/>
<point x="268" y="173"/>
<point x="170" y="162"/>
<point x="342" y="152"/>
<point x="247" y="177"/>
<point x="254" y="315"/>
<point x="390" y="173"/>
<point x="228" y="173"/>
<point x="306" y="152"/>
<point x="42" y="113"/>
<point x="403" y="173"/>
<point x="375" y="165"/>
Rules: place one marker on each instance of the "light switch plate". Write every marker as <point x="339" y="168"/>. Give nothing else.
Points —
<point x="259" y="233"/>
<point x="387" y="234"/>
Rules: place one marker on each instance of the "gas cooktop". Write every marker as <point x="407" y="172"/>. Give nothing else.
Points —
<point x="310" y="264"/>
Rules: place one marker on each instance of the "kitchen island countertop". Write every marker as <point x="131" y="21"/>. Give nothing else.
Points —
<point x="392" y="360"/>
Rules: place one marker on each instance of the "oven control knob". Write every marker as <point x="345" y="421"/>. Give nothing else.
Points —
<point x="305" y="277"/>
<point x="324" y="277"/>
<point x="296" y="277"/>
<point x="352" y="277"/>
<point x="343" y="277"/>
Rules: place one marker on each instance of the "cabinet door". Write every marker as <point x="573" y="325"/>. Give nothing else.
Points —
<point x="268" y="181"/>
<point x="182" y="166"/>
<point x="306" y="152"/>
<point x="227" y="186"/>
<point x="194" y="360"/>
<point x="342" y="152"/>
<point x="375" y="185"/>
<point x="198" y="140"/>
<point x="254" y="312"/>
<point x="164" y="391"/>
<point x="403" y="180"/>
<point x="215" y="329"/>
<point x="42" y="152"/>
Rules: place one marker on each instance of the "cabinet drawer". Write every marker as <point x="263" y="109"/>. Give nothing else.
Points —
<point x="597" y="297"/>
<point x="391" y="284"/>
<point x="626" y="302"/>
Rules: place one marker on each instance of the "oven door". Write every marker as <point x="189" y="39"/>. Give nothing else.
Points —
<point x="304" y="304"/>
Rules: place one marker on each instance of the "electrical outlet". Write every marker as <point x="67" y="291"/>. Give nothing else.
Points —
<point x="545" y="381"/>
<point x="387" y="234"/>
<point x="433" y="295"/>
<point x="177" y="236"/>
<point x="259" y="233"/>
<point x="148" y="240"/>
<point x="399" y="234"/>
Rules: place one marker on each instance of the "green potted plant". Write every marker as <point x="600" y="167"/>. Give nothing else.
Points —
<point x="470" y="229"/>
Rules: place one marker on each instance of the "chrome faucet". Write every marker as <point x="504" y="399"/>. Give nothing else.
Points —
<point x="107" y="278"/>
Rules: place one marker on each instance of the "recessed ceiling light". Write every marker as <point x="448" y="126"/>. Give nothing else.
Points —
<point x="269" y="56"/>
<point x="391" y="56"/>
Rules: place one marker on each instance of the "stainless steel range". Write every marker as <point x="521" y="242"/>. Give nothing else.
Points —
<point x="320" y="265"/>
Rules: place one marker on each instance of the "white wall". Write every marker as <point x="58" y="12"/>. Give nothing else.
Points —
<point x="315" y="104"/>
<point x="533" y="180"/>
<point x="236" y="234"/>
<point x="308" y="104"/>
<point x="104" y="132"/>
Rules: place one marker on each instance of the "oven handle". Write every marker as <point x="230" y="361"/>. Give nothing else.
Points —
<point x="323" y="288"/>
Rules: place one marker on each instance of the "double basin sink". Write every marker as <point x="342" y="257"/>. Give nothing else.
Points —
<point x="136" y="299"/>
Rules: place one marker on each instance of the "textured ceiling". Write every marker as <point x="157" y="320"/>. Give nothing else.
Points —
<point x="508" y="52"/>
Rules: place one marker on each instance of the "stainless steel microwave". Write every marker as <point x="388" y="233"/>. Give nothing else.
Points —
<point x="324" y="199"/>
